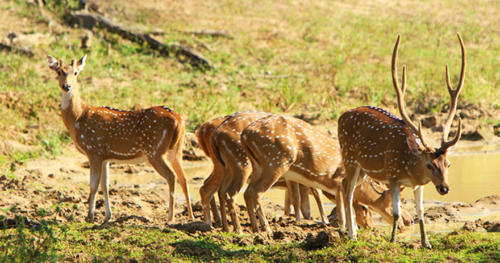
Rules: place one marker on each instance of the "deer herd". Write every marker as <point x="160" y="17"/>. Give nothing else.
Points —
<point x="375" y="156"/>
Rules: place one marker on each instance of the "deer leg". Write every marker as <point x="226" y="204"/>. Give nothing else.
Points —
<point x="239" y="177"/>
<point x="223" y="209"/>
<point x="234" y="214"/>
<point x="305" y="206"/>
<point x="207" y="191"/>
<point x="259" y="185"/>
<point x="161" y="167"/>
<point x="294" y="193"/>
<point x="396" y="209"/>
<point x="316" y="193"/>
<point x="215" y="212"/>
<point x="419" y="194"/>
<point x="249" y="198"/>
<point x="349" y="184"/>
<point x="175" y="159"/>
<point x="340" y="207"/>
<point x="105" y="189"/>
<point x="287" y="202"/>
<point x="223" y="197"/>
<point x="95" y="174"/>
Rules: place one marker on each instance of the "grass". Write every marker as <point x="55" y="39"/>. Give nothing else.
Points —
<point x="51" y="241"/>
<point x="322" y="57"/>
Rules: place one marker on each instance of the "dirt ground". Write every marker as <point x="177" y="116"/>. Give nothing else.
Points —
<point x="58" y="188"/>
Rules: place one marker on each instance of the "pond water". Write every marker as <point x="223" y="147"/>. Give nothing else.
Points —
<point x="472" y="175"/>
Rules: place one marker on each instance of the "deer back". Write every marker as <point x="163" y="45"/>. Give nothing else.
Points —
<point x="378" y="141"/>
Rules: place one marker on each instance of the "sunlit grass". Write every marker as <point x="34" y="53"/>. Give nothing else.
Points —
<point x="320" y="57"/>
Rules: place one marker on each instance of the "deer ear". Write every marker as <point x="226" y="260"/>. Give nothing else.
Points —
<point x="52" y="61"/>
<point x="414" y="147"/>
<point x="81" y="63"/>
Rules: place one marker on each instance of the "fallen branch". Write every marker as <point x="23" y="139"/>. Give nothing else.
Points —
<point x="22" y="51"/>
<point x="205" y="32"/>
<point x="89" y="21"/>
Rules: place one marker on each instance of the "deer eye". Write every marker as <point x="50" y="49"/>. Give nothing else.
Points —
<point x="76" y="73"/>
<point x="429" y="166"/>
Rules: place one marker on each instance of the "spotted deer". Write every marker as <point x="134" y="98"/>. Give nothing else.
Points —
<point x="212" y="183"/>
<point x="220" y="140"/>
<point x="280" y="146"/>
<point x="302" y="199"/>
<point x="231" y="165"/>
<point x="393" y="150"/>
<point x="107" y="135"/>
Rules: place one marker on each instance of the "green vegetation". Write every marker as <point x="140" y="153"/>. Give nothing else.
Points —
<point x="50" y="241"/>
<point x="318" y="57"/>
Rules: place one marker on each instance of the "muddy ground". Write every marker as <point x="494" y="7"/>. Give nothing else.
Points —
<point x="57" y="188"/>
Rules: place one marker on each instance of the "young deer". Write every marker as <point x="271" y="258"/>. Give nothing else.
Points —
<point x="280" y="146"/>
<point x="108" y="135"/>
<point x="386" y="148"/>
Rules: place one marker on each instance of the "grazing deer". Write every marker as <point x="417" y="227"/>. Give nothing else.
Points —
<point x="212" y="183"/>
<point x="220" y="140"/>
<point x="108" y="135"/>
<point x="388" y="149"/>
<point x="302" y="199"/>
<point x="231" y="165"/>
<point x="367" y="195"/>
<point x="280" y="146"/>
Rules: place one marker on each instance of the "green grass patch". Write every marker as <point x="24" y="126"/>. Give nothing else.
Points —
<point x="49" y="241"/>
<point x="322" y="57"/>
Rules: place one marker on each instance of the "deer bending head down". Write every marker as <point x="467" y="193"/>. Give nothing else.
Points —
<point x="104" y="134"/>
<point x="394" y="150"/>
<point x="289" y="148"/>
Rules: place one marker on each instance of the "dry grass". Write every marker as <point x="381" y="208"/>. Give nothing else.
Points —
<point x="319" y="57"/>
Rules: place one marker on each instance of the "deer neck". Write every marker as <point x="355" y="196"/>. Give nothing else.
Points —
<point x="72" y="109"/>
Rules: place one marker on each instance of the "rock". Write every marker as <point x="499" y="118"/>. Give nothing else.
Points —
<point x="278" y="235"/>
<point x="192" y="227"/>
<point x="260" y="240"/>
<point x="496" y="130"/>
<point x="480" y="132"/>
<point x="192" y="150"/>
<point x="322" y="240"/>
<point x="494" y="228"/>
<point x="243" y="241"/>
<point x="429" y="122"/>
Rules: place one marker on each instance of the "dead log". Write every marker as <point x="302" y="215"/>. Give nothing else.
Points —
<point x="90" y="21"/>
<point x="204" y="32"/>
<point x="21" y="50"/>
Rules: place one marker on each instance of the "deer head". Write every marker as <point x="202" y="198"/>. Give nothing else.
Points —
<point x="66" y="75"/>
<point x="432" y="161"/>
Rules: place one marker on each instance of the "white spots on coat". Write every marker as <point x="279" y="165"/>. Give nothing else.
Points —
<point x="375" y="139"/>
<point x="112" y="133"/>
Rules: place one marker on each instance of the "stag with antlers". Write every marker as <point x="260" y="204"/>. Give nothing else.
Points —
<point x="394" y="151"/>
<point x="108" y="135"/>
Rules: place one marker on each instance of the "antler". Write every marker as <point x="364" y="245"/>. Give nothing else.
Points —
<point x="401" y="92"/>
<point x="454" y="93"/>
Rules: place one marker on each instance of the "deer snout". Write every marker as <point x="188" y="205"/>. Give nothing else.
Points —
<point x="442" y="189"/>
<point x="66" y="87"/>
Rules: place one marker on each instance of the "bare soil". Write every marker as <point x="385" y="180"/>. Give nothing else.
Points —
<point x="58" y="189"/>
